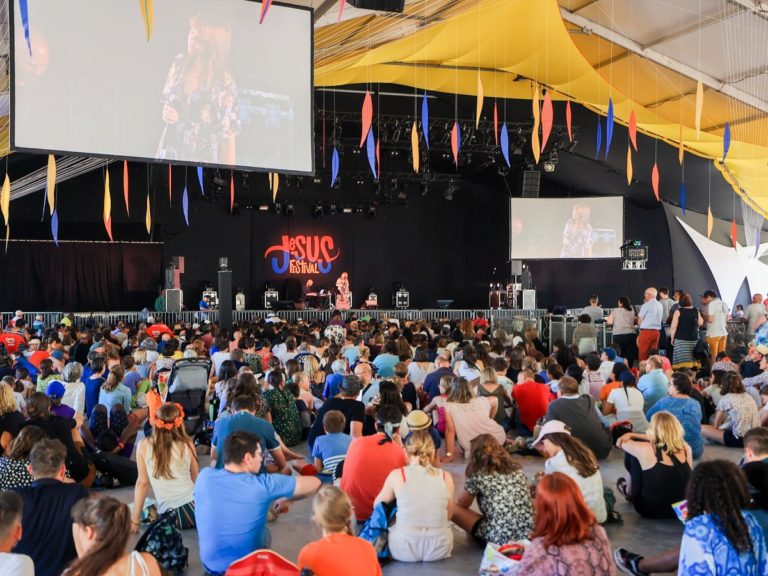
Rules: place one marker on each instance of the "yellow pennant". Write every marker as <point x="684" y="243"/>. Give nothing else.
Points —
<point x="480" y="96"/>
<point x="680" y="149"/>
<point x="107" y="199"/>
<point x="535" y="143"/>
<point x="7" y="237"/>
<point x="629" y="165"/>
<point x="148" y="219"/>
<point x="5" y="199"/>
<point x="699" y="106"/>
<point x="710" y="222"/>
<point x="275" y="186"/>
<point x="147" y="16"/>
<point x="415" y="147"/>
<point x="51" y="182"/>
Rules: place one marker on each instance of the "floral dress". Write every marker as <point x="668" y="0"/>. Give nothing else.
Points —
<point x="285" y="415"/>
<point x="505" y="501"/>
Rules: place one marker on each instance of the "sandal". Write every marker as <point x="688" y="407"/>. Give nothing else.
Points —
<point x="621" y="487"/>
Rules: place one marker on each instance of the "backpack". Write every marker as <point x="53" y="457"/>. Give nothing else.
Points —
<point x="164" y="541"/>
<point x="376" y="530"/>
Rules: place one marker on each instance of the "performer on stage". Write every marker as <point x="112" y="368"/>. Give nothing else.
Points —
<point x="343" y="297"/>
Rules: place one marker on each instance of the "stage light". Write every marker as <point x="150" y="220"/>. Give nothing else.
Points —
<point x="289" y="210"/>
<point x="370" y="212"/>
<point x="549" y="166"/>
<point x="347" y="210"/>
<point x="278" y="207"/>
<point x="317" y="180"/>
<point x="503" y="170"/>
<point x="317" y="211"/>
<point x="332" y="209"/>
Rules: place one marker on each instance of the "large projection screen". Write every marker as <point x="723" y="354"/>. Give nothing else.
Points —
<point x="210" y="86"/>
<point x="547" y="228"/>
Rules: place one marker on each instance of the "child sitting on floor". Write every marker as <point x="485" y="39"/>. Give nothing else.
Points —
<point x="329" y="450"/>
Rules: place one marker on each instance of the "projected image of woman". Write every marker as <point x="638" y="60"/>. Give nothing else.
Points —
<point x="200" y="97"/>
<point x="577" y="235"/>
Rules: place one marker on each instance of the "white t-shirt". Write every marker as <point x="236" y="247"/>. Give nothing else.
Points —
<point x="218" y="358"/>
<point x="753" y="313"/>
<point x="16" y="564"/>
<point x="719" y="312"/>
<point x="629" y="406"/>
<point x="591" y="488"/>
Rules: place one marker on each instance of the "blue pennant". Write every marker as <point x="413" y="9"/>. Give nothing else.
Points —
<point x="726" y="139"/>
<point x="425" y="119"/>
<point x="55" y="227"/>
<point x="200" y="179"/>
<point x="504" y="143"/>
<point x="185" y="205"/>
<point x="599" y="138"/>
<point x="24" y="10"/>
<point x="609" y="128"/>
<point x="334" y="166"/>
<point x="682" y="197"/>
<point x="370" y="144"/>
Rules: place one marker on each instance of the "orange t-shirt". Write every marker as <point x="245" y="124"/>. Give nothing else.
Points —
<point x="340" y="555"/>
<point x="605" y="390"/>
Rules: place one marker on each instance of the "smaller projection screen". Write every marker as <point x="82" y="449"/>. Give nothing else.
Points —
<point x="210" y="85"/>
<point x="547" y="228"/>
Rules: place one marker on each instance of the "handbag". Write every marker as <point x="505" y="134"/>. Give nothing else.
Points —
<point x="618" y="429"/>
<point x="164" y="541"/>
<point x="376" y="529"/>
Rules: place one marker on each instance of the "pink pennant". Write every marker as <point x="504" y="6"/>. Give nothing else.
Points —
<point x="455" y="143"/>
<point x="633" y="129"/>
<point x="341" y="11"/>
<point x="378" y="158"/>
<point x="125" y="187"/>
<point x="547" y="115"/>
<point x="232" y="192"/>
<point x="496" y="122"/>
<point x="569" y="120"/>
<point x="367" y="117"/>
<point x="734" y="233"/>
<point x="655" y="181"/>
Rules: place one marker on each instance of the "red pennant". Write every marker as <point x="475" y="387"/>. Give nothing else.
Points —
<point x="341" y="11"/>
<point x="170" y="185"/>
<point x="633" y="129"/>
<point x="232" y="192"/>
<point x="547" y="116"/>
<point x="455" y="143"/>
<point x="108" y="227"/>
<point x="378" y="158"/>
<point x="496" y="122"/>
<point x="734" y="233"/>
<point x="367" y="117"/>
<point x="125" y="187"/>
<point x="655" y="181"/>
<point x="569" y="120"/>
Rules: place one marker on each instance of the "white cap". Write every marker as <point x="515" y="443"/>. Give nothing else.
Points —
<point x="551" y="427"/>
<point x="151" y="319"/>
<point x="195" y="326"/>
<point x="19" y="312"/>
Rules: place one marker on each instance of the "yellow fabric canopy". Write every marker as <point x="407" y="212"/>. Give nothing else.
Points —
<point x="515" y="44"/>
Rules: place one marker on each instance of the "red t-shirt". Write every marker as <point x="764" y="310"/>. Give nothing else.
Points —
<point x="12" y="341"/>
<point x="340" y="555"/>
<point x="157" y="330"/>
<point x="532" y="400"/>
<point x="37" y="357"/>
<point x="366" y="467"/>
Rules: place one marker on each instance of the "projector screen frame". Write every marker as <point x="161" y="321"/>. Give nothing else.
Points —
<point x="569" y="198"/>
<point x="12" y="109"/>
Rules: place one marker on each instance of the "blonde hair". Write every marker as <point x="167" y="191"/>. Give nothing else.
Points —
<point x="7" y="400"/>
<point x="114" y="378"/>
<point x="488" y="376"/>
<point x="332" y="510"/>
<point x="421" y="446"/>
<point x="666" y="432"/>
<point x="140" y="356"/>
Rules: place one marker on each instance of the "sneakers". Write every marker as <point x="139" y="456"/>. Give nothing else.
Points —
<point x="627" y="562"/>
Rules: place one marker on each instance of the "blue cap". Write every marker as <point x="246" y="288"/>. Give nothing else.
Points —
<point x="58" y="354"/>
<point x="610" y="353"/>
<point x="55" y="389"/>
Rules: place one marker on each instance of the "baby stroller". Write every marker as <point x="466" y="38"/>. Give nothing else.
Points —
<point x="186" y="384"/>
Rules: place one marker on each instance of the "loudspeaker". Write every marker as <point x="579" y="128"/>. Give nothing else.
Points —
<point x="379" y="5"/>
<point x="516" y="267"/>
<point x="284" y="305"/>
<point x="531" y="182"/>
<point x="173" y="300"/>
<point x="225" y="299"/>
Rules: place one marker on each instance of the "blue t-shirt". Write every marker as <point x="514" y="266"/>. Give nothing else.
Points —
<point x="653" y="385"/>
<point x="120" y="395"/>
<point x="249" y="423"/>
<point x="688" y="412"/>
<point x="386" y="365"/>
<point x="332" y="383"/>
<point x="131" y="379"/>
<point x="351" y="354"/>
<point x="231" y="513"/>
<point x="92" y="391"/>
<point x="331" y="449"/>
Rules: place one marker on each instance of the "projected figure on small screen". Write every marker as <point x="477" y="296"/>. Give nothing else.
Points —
<point x="343" y="297"/>
<point x="577" y="234"/>
<point x="200" y="97"/>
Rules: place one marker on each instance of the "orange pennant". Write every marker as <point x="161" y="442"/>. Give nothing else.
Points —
<point x="535" y="142"/>
<point x="51" y="183"/>
<point x="629" y="166"/>
<point x="734" y="233"/>
<point x="148" y="217"/>
<point x="680" y="151"/>
<point x="415" y="147"/>
<point x="547" y="116"/>
<point x="496" y="123"/>
<point x="633" y="129"/>
<point x="455" y="143"/>
<point x="710" y="222"/>
<point x="480" y="97"/>
<point x="231" y="191"/>
<point x="125" y="187"/>
<point x="569" y="120"/>
<point x="367" y="117"/>
<point x="655" y="181"/>
<point x="107" y="206"/>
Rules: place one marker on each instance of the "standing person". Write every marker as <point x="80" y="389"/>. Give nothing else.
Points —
<point x="622" y="318"/>
<point x="101" y="529"/>
<point x="282" y="408"/>
<point x="716" y="312"/>
<point x="424" y="497"/>
<point x="343" y="294"/>
<point x="231" y="504"/>
<point x="566" y="539"/>
<point x="649" y="320"/>
<point x="10" y="533"/>
<point x="48" y="503"/>
<point x="684" y="333"/>
<point x="167" y="462"/>
<point x="594" y="310"/>
<point x="503" y="496"/>
<point x="754" y="316"/>
<point x="339" y="552"/>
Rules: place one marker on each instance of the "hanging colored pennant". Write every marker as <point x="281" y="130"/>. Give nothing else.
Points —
<point x="45" y="203"/>
<point x="148" y="217"/>
<point x="378" y="157"/>
<point x="7" y="237"/>
<point x="710" y="222"/>
<point x="455" y="143"/>
<point x="633" y="129"/>
<point x="609" y="128"/>
<point x="547" y="116"/>
<point x="200" y="179"/>
<point x="367" y="117"/>
<point x="170" y="185"/>
<point x="480" y="97"/>
<point x="54" y="229"/>
<point x="147" y="16"/>
<point x="107" y="206"/>
<point x="125" y="187"/>
<point x="185" y="205"/>
<point x="726" y="140"/>
<point x="599" y="137"/>
<point x="5" y="199"/>
<point x="425" y="119"/>
<point x="734" y="233"/>
<point x="334" y="166"/>
<point x="535" y="142"/>
<point x="371" y="152"/>
<point x="24" y="10"/>
<point x="682" y="197"/>
<point x="265" y="5"/>
<point x="569" y="120"/>
<point x="231" y="191"/>
<point x="699" y="106"/>
<point x="415" y="147"/>
<point x="275" y="186"/>
<point x="680" y="148"/>
<point x="341" y="11"/>
<point x="496" y="123"/>
<point x="505" y="143"/>
<point x="655" y="181"/>
<point x="629" y="165"/>
<point x="50" y="186"/>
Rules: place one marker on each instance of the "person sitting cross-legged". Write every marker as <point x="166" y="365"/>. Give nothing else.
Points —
<point x="10" y="533"/>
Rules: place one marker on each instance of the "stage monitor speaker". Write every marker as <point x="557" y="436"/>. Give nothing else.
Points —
<point x="529" y="299"/>
<point x="516" y="267"/>
<point x="270" y="298"/>
<point x="225" y="299"/>
<point x="284" y="305"/>
<point x="379" y="5"/>
<point x="531" y="183"/>
<point x="173" y="300"/>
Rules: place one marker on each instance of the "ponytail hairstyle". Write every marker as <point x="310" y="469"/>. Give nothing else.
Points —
<point x="332" y="510"/>
<point x="110" y="520"/>
<point x="114" y="378"/>
<point x="422" y="446"/>
<point x="487" y="456"/>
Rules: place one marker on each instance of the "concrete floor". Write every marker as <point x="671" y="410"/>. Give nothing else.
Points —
<point x="292" y="531"/>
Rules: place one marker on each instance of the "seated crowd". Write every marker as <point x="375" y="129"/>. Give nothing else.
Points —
<point x="378" y="407"/>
